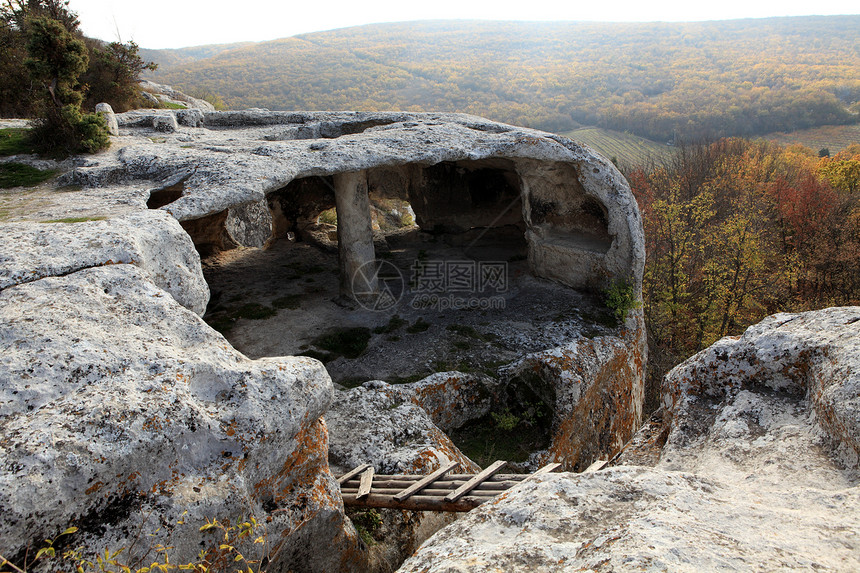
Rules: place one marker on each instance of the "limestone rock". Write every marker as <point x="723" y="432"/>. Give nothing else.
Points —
<point x="380" y="424"/>
<point x="575" y="206"/>
<point x="631" y="519"/>
<point x="120" y="410"/>
<point x="110" y="117"/>
<point x="190" y="117"/>
<point x="387" y="430"/>
<point x="249" y="225"/>
<point x="165" y="123"/>
<point x="813" y="356"/>
<point x="152" y="240"/>
<point x="594" y="388"/>
<point x="167" y="93"/>
<point x="759" y="470"/>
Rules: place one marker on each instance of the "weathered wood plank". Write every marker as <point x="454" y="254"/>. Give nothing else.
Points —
<point x="352" y="473"/>
<point x="419" y="485"/>
<point x="427" y="492"/>
<point x="366" y="483"/>
<point x="456" y="477"/>
<point x="416" y="502"/>
<point x="596" y="466"/>
<point x="450" y="485"/>
<point x="475" y="481"/>
<point x="544" y="470"/>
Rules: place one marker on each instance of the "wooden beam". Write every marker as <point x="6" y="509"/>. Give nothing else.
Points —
<point x="416" y="502"/>
<point x="596" y="466"/>
<point x="475" y="481"/>
<point x="455" y="477"/>
<point x="419" y="485"/>
<point x="366" y="483"/>
<point x="430" y="491"/>
<point x="352" y="473"/>
<point x="443" y="483"/>
<point x="544" y="470"/>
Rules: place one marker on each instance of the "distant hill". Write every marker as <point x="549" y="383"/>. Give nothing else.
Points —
<point x="657" y="80"/>
<point x="185" y="56"/>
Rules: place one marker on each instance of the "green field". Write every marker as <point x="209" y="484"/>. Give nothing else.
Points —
<point x="833" y="137"/>
<point x="629" y="150"/>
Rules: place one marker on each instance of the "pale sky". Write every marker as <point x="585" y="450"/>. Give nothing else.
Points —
<point x="181" y="23"/>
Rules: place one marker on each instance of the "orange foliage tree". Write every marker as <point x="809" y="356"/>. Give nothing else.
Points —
<point x="739" y="229"/>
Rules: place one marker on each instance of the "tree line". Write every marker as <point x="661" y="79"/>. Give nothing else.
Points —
<point x="736" y="230"/>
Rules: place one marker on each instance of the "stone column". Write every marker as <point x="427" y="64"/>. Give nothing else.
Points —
<point x="355" y="237"/>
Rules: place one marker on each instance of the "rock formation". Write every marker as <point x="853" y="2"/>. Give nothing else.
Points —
<point x="752" y="464"/>
<point x="119" y="402"/>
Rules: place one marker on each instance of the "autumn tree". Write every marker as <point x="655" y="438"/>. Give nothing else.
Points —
<point x="736" y="230"/>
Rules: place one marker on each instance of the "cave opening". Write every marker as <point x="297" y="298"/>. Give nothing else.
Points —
<point x="454" y="289"/>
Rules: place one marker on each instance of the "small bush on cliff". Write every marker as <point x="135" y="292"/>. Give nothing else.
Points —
<point x="56" y="58"/>
<point x="620" y="298"/>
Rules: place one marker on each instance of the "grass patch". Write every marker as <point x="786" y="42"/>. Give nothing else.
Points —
<point x="321" y="356"/>
<point x="419" y="325"/>
<point x="346" y="342"/>
<point x="366" y="522"/>
<point x="394" y="324"/>
<point x="74" y="220"/>
<point x="506" y="435"/>
<point x="15" y="141"/>
<point x="20" y="175"/>
<point x="406" y="379"/>
<point x="290" y="301"/>
<point x="254" y="311"/>
<point x="171" y="105"/>
<point x="223" y="323"/>
<point x="470" y="332"/>
<point x="350" y="383"/>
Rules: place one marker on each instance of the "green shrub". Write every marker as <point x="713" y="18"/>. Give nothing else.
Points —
<point x="56" y="59"/>
<point x="620" y="298"/>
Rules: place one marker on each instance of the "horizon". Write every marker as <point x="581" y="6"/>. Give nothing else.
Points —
<point x="190" y="25"/>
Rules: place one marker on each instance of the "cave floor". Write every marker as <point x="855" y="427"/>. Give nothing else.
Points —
<point x="283" y="300"/>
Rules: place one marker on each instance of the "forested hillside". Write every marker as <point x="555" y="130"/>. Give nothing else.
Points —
<point x="657" y="80"/>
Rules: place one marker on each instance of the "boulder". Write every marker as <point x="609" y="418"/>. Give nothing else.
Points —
<point x="594" y="389"/>
<point x="165" y="123"/>
<point x="152" y="240"/>
<point x="170" y="94"/>
<point x="814" y="356"/>
<point x="577" y="212"/>
<point x="110" y="117"/>
<point x="757" y="468"/>
<point x="123" y="413"/>
<point x="190" y="117"/>
<point x="374" y="424"/>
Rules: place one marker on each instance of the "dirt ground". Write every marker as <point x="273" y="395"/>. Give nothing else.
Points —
<point x="283" y="300"/>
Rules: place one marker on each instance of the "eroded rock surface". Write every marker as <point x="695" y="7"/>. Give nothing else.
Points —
<point x="118" y="402"/>
<point x="574" y="204"/>
<point x="758" y="471"/>
<point x="152" y="240"/>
